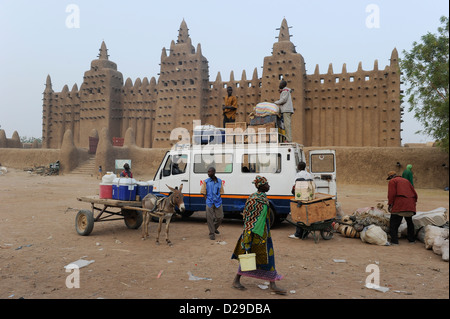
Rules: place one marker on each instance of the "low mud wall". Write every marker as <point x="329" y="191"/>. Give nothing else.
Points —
<point x="355" y="165"/>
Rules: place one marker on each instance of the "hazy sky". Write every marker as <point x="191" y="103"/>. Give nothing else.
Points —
<point x="61" y="38"/>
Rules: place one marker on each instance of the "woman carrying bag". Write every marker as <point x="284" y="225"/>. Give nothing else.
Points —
<point x="256" y="238"/>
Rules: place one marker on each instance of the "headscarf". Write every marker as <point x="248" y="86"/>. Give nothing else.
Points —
<point x="409" y="167"/>
<point x="259" y="181"/>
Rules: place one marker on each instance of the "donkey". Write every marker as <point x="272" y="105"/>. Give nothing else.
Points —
<point x="165" y="206"/>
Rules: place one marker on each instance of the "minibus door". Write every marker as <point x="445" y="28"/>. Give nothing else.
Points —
<point x="322" y="165"/>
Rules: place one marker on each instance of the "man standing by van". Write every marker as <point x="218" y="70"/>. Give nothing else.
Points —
<point x="229" y="110"/>
<point x="286" y="108"/>
<point x="212" y="189"/>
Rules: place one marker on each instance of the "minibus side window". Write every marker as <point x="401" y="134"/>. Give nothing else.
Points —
<point x="261" y="163"/>
<point x="223" y="163"/>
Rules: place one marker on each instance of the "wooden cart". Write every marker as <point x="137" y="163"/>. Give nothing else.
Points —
<point x="314" y="215"/>
<point x="109" y="209"/>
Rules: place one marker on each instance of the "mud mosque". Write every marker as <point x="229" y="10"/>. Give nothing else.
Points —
<point x="361" y="108"/>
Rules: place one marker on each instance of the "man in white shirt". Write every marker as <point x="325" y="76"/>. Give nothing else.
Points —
<point x="304" y="174"/>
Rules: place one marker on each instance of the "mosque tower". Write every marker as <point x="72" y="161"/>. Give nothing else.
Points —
<point x="285" y="63"/>
<point x="100" y="98"/>
<point x="182" y="88"/>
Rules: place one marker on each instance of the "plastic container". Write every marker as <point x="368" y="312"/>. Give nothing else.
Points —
<point x="106" y="190"/>
<point x="108" y="178"/>
<point x="247" y="262"/>
<point x="305" y="190"/>
<point x="143" y="188"/>
<point x="124" y="189"/>
<point x="106" y="185"/>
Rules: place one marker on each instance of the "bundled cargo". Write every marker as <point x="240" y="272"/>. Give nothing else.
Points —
<point x="304" y="190"/>
<point x="266" y="108"/>
<point x="208" y="134"/>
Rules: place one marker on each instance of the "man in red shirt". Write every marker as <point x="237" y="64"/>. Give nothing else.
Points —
<point x="402" y="199"/>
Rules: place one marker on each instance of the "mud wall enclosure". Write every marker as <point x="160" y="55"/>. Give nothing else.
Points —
<point x="355" y="165"/>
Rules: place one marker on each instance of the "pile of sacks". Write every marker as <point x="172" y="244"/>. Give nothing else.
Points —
<point x="371" y="224"/>
<point x="436" y="238"/>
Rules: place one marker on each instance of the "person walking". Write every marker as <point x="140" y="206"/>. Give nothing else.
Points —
<point x="256" y="238"/>
<point x="229" y="110"/>
<point x="286" y="108"/>
<point x="212" y="189"/>
<point x="408" y="174"/>
<point x="99" y="172"/>
<point x="402" y="199"/>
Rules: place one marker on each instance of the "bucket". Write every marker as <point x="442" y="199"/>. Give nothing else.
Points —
<point x="247" y="261"/>
<point x="106" y="190"/>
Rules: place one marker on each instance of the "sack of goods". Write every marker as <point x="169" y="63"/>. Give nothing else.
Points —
<point x="266" y="108"/>
<point x="374" y="235"/>
<point x="305" y="190"/>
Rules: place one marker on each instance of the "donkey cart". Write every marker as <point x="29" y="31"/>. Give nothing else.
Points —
<point x="314" y="215"/>
<point x="108" y="210"/>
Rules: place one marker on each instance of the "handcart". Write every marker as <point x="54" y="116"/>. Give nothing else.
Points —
<point x="108" y="210"/>
<point x="314" y="215"/>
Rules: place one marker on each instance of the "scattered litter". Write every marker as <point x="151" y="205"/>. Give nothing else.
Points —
<point x="221" y="242"/>
<point x="160" y="273"/>
<point x="79" y="264"/>
<point x="192" y="277"/>
<point x="118" y="241"/>
<point x="339" y="260"/>
<point x="3" y="170"/>
<point x="402" y="292"/>
<point x="263" y="286"/>
<point x="10" y="296"/>
<point x="125" y="284"/>
<point x="124" y="250"/>
<point x="292" y="291"/>
<point x="20" y="247"/>
<point x="170" y="261"/>
<point x="376" y="287"/>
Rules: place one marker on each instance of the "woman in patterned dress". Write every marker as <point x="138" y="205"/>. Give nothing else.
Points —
<point x="256" y="238"/>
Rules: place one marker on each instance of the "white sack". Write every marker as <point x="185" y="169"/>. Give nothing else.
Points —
<point x="444" y="249"/>
<point x="433" y="232"/>
<point x="438" y="241"/>
<point x="374" y="235"/>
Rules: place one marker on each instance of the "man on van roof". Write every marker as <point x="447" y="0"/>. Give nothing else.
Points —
<point x="212" y="189"/>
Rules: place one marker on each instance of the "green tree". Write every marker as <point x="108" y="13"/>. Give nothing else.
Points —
<point x="425" y="69"/>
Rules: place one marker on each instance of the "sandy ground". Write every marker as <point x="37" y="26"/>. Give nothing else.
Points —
<point x="38" y="238"/>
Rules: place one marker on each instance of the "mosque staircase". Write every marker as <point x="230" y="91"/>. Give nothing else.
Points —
<point x="86" y="168"/>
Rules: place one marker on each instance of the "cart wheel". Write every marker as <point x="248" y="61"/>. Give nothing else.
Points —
<point x="133" y="218"/>
<point x="84" y="222"/>
<point x="327" y="233"/>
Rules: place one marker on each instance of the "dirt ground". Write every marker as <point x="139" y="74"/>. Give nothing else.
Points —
<point x="38" y="238"/>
